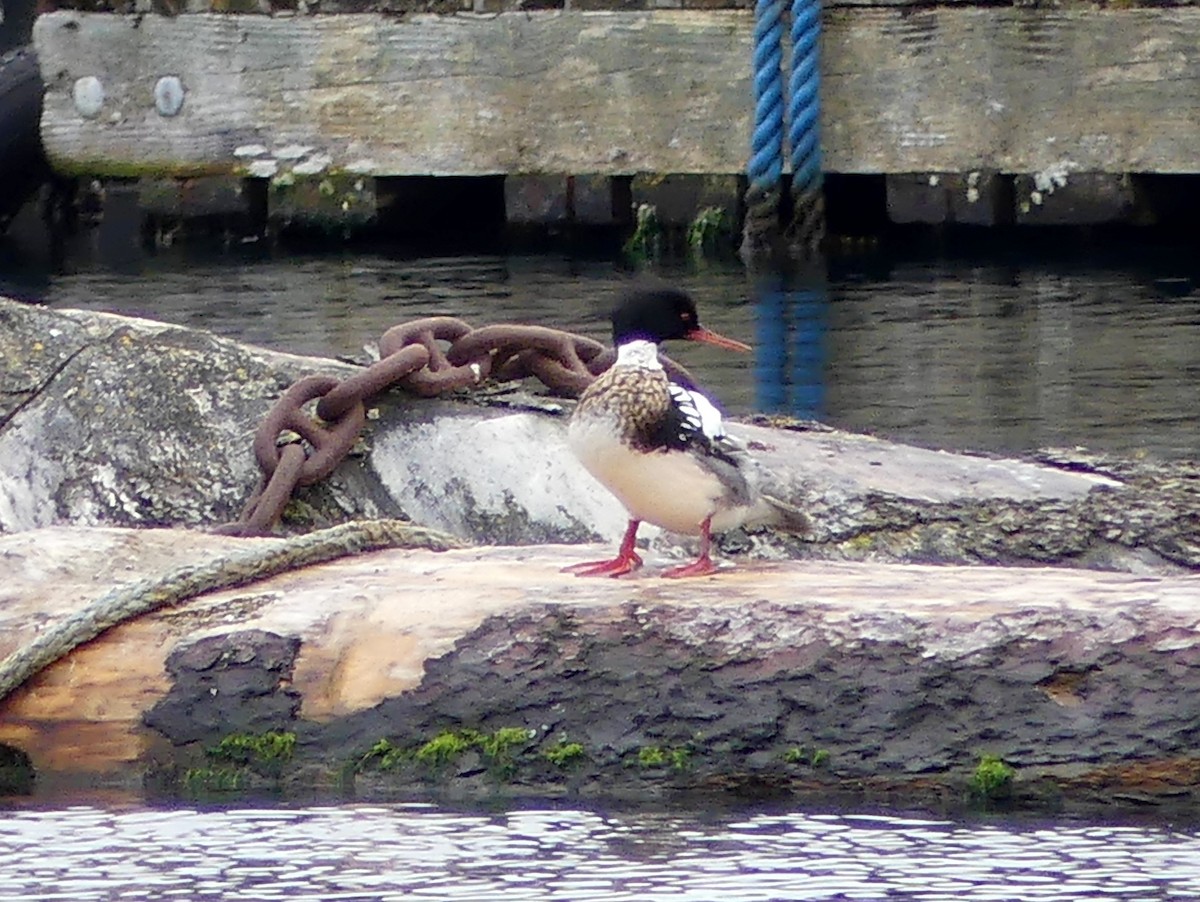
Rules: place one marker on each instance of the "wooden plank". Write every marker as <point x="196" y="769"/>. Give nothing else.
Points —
<point x="941" y="89"/>
<point x="464" y="95"/>
<point x="1012" y="90"/>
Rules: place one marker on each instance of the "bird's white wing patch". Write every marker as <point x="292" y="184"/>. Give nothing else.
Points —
<point x="699" y="414"/>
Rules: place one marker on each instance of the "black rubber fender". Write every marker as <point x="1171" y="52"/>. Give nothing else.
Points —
<point x="23" y="166"/>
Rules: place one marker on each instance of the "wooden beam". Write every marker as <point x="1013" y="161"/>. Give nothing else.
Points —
<point x="944" y="89"/>
<point x="457" y="95"/>
<point x="1018" y="90"/>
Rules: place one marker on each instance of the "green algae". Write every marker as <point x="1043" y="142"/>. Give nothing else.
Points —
<point x="564" y="754"/>
<point x="992" y="780"/>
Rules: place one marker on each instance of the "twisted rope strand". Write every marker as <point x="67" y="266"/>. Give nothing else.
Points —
<point x="804" y="114"/>
<point x="765" y="168"/>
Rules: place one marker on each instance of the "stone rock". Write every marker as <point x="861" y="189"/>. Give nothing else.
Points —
<point x="107" y="419"/>
<point x="117" y="421"/>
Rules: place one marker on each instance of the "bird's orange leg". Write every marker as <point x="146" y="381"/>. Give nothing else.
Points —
<point x="626" y="561"/>
<point x="703" y="565"/>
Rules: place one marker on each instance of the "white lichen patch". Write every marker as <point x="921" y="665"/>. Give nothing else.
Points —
<point x="27" y="499"/>
<point x="1054" y="176"/>
<point x="315" y="164"/>
<point x="293" y="152"/>
<point x="201" y="398"/>
<point x="973" y="179"/>
<point x="923" y="139"/>
<point x="262" y="169"/>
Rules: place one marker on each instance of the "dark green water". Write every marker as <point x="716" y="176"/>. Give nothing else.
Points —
<point x="998" y="352"/>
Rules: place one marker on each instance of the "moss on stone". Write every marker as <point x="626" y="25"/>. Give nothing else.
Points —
<point x="235" y="761"/>
<point x="499" y="746"/>
<point x="500" y="749"/>
<point x="385" y="755"/>
<point x="678" y="758"/>
<point x="992" y="780"/>
<point x="802" y="754"/>
<point x="260" y="751"/>
<point x="646" y="242"/>
<point x="123" y="169"/>
<point x="208" y="780"/>
<point x="564" y="753"/>
<point x="708" y="231"/>
<point x="445" y="747"/>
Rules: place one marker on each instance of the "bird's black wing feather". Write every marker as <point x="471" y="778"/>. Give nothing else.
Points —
<point x="692" y="423"/>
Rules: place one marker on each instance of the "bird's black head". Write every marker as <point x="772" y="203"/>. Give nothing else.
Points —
<point x="653" y="314"/>
<point x="661" y="314"/>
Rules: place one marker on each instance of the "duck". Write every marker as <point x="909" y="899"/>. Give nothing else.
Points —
<point x="658" y="445"/>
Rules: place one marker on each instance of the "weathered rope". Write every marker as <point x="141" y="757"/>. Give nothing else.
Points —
<point x="804" y="129"/>
<point x="265" y="559"/>
<point x="765" y="169"/>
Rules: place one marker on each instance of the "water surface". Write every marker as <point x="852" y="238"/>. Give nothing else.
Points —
<point x="355" y="852"/>
<point x="992" y="355"/>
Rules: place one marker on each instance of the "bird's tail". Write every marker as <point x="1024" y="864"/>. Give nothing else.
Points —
<point x="779" y="514"/>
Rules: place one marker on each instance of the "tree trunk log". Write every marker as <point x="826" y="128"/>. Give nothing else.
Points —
<point x="785" y="677"/>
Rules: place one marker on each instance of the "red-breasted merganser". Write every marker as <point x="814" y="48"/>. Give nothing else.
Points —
<point x="658" y="446"/>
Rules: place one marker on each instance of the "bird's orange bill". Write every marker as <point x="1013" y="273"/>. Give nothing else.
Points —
<point x="708" y="337"/>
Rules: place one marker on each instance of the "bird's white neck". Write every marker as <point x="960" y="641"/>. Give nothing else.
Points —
<point x="638" y="353"/>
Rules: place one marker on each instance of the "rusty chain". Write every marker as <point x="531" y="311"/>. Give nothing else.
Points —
<point x="411" y="357"/>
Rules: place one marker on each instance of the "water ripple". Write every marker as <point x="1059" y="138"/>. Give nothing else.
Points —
<point x="997" y="356"/>
<point x="381" y="853"/>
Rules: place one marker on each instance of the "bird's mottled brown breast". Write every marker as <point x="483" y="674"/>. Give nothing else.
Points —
<point x="635" y="400"/>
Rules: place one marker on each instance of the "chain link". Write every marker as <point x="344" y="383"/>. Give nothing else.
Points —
<point x="412" y="357"/>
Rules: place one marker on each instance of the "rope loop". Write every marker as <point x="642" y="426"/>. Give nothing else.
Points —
<point x="765" y="168"/>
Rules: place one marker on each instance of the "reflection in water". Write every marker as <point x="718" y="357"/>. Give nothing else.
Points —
<point x="998" y="356"/>
<point x="354" y="852"/>
<point x="789" y="371"/>
<point x="1017" y="358"/>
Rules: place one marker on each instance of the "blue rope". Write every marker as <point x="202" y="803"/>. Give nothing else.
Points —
<point x="804" y="115"/>
<point x="765" y="169"/>
<point x="766" y="145"/>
